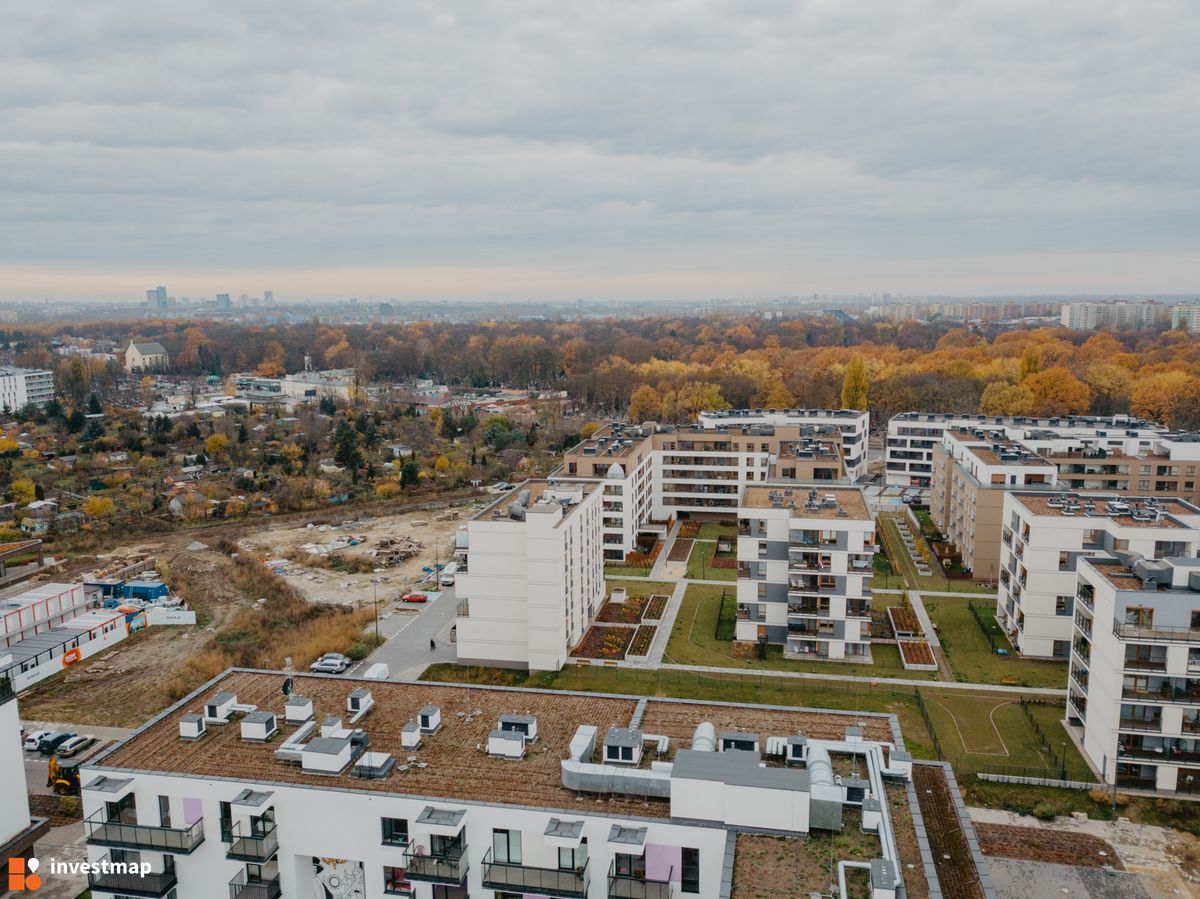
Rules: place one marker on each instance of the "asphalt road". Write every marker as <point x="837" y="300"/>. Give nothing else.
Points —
<point x="35" y="762"/>
<point x="407" y="652"/>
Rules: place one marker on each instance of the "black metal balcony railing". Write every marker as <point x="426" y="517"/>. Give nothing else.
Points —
<point x="255" y="847"/>
<point x="625" y="886"/>
<point x="517" y="878"/>
<point x="243" y="887"/>
<point x="154" y="885"/>
<point x="141" y="836"/>
<point x="447" y="867"/>
<point x="1151" y="725"/>
<point x="6" y="688"/>
<point x="1087" y="596"/>
<point x="1136" y="664"/>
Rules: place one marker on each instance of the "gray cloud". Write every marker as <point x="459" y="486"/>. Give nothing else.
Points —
<point x="541" y="148"/>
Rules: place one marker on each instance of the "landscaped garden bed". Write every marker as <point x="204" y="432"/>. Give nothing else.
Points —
<point x="643" y="639"/>
<point x="656" y="607"/>
<point x="627" y="612"/>
<point x="604" y="643"/>
<point x="680" y="550"/>
<point x="1036" y="844"/>
<point x="952" y="858"/>
<point x="904" y="622"/>
<point x="917" y="655"/>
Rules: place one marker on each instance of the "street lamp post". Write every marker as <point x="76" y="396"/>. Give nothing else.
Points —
<point x="375" y="598"/>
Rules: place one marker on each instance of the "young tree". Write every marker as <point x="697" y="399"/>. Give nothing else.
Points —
<point x="645" y="404"/>
<point x="410" y="474"/>
<point x="1002" y="398"/>
<point x="1058" y="392"/>
<point x="854" y="384"/>
<point x="1031" y="362"/>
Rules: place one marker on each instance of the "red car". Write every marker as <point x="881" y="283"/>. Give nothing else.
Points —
<point x="414" y="597"/>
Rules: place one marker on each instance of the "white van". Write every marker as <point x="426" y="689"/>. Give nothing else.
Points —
<point x="446" y="578"/>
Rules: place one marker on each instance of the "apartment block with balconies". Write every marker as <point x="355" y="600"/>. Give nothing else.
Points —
<point x="1134" y="685"/>
<point x="1045" y="534"/>
<point x="804" y="570"/>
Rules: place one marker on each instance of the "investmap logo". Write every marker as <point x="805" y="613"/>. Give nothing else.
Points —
<point x="22" y="875"/>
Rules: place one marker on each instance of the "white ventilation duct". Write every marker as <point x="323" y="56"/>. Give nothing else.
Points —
<point x="704" y="738"/>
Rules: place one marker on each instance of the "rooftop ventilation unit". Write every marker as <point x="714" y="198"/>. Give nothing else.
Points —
<point x="430" y="718"/>
<point x="731" y="739"/>
<point x="297" y="709"/>
<point x="506" y="744"/>
<point x="219" y="709"/>
<point x="259" y="726"/>
<point x="410" y="735"/>
<point x="332" y="726"/>
<point x="623" y="746"/>
<point x="525" y="725"/>
<point x="373" y="766"/>
<point x="326" y="755"/>
<point x="358" y="703"/>
<point x="191" y="727"/>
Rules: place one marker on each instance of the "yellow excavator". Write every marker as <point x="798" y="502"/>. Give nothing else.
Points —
<point x="63" y="777"/>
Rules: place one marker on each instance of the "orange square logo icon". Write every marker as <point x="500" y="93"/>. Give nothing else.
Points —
<point x="22" y="876"/>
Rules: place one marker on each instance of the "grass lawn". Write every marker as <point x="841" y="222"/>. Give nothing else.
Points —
<point x="622" y="571"/>
<point x="902" y="563"/>
<point x="970" y="655"/>
<point x="694" y="642"/>
<point x="711" y="530"/>
<point x="968" y="713"/>
<point x="698" y="567"/>
<point x="641" y="588"/>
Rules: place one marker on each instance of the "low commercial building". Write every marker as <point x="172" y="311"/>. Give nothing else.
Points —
<point x="1134" y="687"/>
<point x="20" y="387"/>
<point x="38" y="609"/>
<point x="804" y="570"/>
<point x="1046" y="534"/>
<point x="451" y="791"/>
<point x="534" y="576"/>
<point x="47" y="653"/>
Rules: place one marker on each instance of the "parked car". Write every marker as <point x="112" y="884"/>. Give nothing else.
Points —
<point x="50" y="744"/>
<point x="446" y="577"/>
<point x="331" y="663"/>
<point x="414" y="597"/>
<point x="34" y="741"/>
<point x="501" y="486"/>
<point x="76" y="745"/>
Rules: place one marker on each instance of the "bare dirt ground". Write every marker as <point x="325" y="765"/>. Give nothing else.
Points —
<point x="433" y="530"/>
<point x="125" y="686"/>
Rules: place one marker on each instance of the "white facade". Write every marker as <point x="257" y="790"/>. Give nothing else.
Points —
<point x="853" y="424"/>
<point x="145" y="357"/>
<point x="21" y="386"/>
<point x="804" y="570"/>
<point x="38" y="609"/>
<point x="1118" y="314"/>
<point x="1134" y="688"/>
<point x="534" y="576"/>
<point x="912" y="436"/>
<point x="1044" y="537"/>
<point x="1186" y="317"/>
<point x="205" y="807"/>
<point x="18" y="831"/>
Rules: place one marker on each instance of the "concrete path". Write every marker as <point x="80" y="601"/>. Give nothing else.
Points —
<point x="656" y="573"/>
<point x="64" y="844"/>
<point x="407" y="634"/>
<point x="665" y="626"/>
<point x="935" y="593"/>
<point x="923" y="618"/>
<point x="1141" y="847"/>
<point x="873" y="681"/>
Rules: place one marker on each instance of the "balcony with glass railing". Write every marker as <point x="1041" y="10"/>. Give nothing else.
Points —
<point x="243" y="886"/>
<point x="448" y="866"/>
<point x="629" y="886"/>
<point x="112" y="877"/>
<point x="514" y="877"/>
<point x="1149" y="632"/>
<point x="179" y="841"/>
<point x="258" y="846"/>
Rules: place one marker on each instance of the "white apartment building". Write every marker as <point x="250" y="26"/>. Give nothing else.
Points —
<point x="21" y="386"/>
<point x="1186" y="317"/>
<point x="1045" y="535"/>
<point x="1134" y="688"/>
<point x="534" y="576"/>
<point x="654" y="472"/>
<point x="18" y="831"/>
<point x="853" y="425"/>
<point x="804" y="570"/>
<point x="912" y="436"/>
<point x="1117" y="314"/>
<point x="439" y="791"/>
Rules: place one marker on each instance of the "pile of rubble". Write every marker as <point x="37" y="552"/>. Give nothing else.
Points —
<point x="394" y="550"/>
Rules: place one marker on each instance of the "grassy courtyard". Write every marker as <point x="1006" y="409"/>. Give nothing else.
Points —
<point x="902" y="563"/>
<point x="698" y="567"/>
<point x="640" y="588"/>
<point x="970" y="654"/>
<point x="694" y="641"/>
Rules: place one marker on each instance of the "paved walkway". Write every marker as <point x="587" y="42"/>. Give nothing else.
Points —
<point x="66" y="844"/>
<point x="935" y="593"/>
<point x="661" y="562"/>
<point x="665" y="626"/>
<point x="873" y="681"/>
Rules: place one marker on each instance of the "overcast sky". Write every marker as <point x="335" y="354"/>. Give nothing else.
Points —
<point x="567" y="149"/>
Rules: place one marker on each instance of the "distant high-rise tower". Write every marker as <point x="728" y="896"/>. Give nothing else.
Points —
<point x="268" y="297"/>
<point x="223" y="301"/>
<point x="157" y="297"/>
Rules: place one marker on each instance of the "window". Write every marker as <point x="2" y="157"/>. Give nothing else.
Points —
<point x="226" y="815"/>
<point x="164" y="811"/>
<point x="631" y="866"/>
<point x="690" y="874"/>
<point x="1195" y="619"/>
<point x="394" y="883"/>
<point x="506" y="846"/>
<point x="1063" y="605"/>
<point x="573" y="859"/>
<point x="1139" y="616"/>
<point x="395" y="831"/>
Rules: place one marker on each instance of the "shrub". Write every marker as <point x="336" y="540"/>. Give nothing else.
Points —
<point x="1045" y="811"/>
<point x="68" y="806"/>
